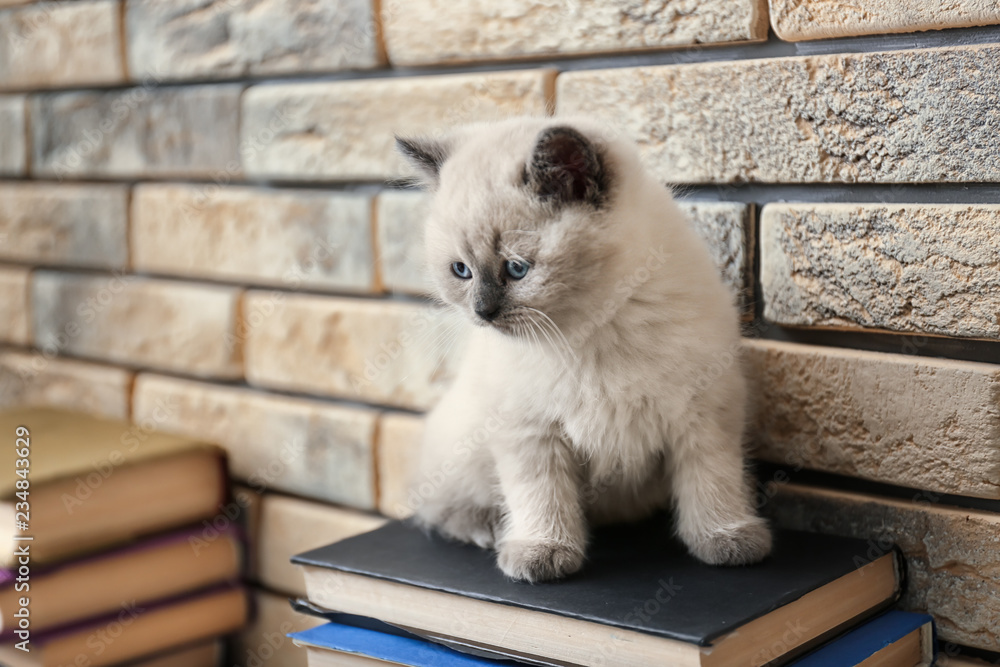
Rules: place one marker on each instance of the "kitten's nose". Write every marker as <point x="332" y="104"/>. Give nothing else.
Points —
<point x="488" y="312"/>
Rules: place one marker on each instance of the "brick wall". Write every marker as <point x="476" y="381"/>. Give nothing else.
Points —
<point x="198" y="230"/>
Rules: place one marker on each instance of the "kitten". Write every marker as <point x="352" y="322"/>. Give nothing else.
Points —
<point x="601" y="380"/>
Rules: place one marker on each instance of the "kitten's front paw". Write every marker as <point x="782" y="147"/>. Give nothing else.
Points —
<point x="745" y="543"/>
<point x="466" y="523"/>
<point x="539" y="560"/>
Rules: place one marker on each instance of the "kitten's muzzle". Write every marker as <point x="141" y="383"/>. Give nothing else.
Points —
<point x="489" y="300"/>
<point x="488" y="312"/>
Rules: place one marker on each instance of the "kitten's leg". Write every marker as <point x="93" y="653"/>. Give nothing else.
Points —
<point x="714" y="515"/>
<point x="545" y="533"/>
<point x="455" y="490"/>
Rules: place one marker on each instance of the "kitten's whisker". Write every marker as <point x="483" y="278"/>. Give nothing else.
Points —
<point x="454" y="331"/>
<point x="557" y="332"/>
<point x="553" y="343"/>
<point x="443" y="338"/>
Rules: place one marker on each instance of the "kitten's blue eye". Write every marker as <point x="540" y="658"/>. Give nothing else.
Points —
<point x="516" y="269"/>
<point x="461" y="270"/>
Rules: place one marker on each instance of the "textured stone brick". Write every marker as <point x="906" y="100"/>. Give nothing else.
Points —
<point x="192" y="38"/>
<point x="387" y="352"/>
<point x="267" y="633"/>
<point x="32" y="379"/>
<point x="142" y="131"/>
<point x="290" y="526"/>
<point x="913" y="268"/>
<point x="912" y="421"/>
<point x="138" y="321"/>
<point x="307" y="447"/>
<point x="344" y="130"/>
<point x="14" y="305"/>
<point x="796" y="20"/>
<point x="13" y="140"/>
<point x="952" y="554"/>
<point x="397" y="449"/>
<point x="401" y="215"/>
<point x="61" y="44"/>
<point x="74" y="225"/>
<point x="726" y="228"/>
<point x="896" y="117"/>
<point x="290" y="238"/>
<point x="424" y="32"/>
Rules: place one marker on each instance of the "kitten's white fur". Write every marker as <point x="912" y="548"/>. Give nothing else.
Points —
<point x="628" y="399"/>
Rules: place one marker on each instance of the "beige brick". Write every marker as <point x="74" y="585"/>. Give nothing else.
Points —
<point x="914" y="267"/>
<point x="179" y="39"/>
<point x="397" y="453"/>
<point x="400" y="235"/>
<point x="14" y="305"/>
<point x="952" y="554"/>
<point x="290" y="526"/>
<point x="290" y="238"/>
<point x="726" y="229"/>
<point x="344" y="130"/>
<point x="308" y="447"/>
<point x="897" y="117"/>
<point x="61" y="44"/>
<point x="796" y="20"/>
<point x="912" y="421"/>
<point x="142" y="131"/>
<point x="263" y="643"/>
<point x="13" y="140"/>
<point x="163" y="324"/>
<point x="64" y="224"/>
<point x="387" y="352"/>
<point x="29" y="378"/>
<point x="422" y="32"/>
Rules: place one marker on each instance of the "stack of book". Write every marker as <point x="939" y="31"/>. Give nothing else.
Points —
<point x="396" y="595"/>
<point x="114" y="552"/>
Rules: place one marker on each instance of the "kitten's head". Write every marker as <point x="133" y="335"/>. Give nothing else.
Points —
<point x="518" y="230"/>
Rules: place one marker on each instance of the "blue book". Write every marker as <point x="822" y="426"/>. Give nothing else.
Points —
<point x="373" y="647"/>
<point x="894" y="638"/>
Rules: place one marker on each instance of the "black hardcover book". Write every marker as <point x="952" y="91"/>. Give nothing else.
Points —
<point x="640" y="599"/>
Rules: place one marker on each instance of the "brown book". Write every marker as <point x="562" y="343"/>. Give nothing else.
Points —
<point x="135" y="632"/>
<point x="204" y="654"/>
<point x="90" y="483"/>
<point x="157" y="568"/>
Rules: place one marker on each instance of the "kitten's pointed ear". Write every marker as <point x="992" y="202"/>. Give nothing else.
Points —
<point x="566" y="167"/>
<point x="426" y="155"/>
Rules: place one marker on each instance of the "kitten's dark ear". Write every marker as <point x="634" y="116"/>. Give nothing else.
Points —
<point x="427" y="155"/>
<point x="566" y="167"/>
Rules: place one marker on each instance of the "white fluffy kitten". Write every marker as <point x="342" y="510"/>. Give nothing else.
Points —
<point x="601" y="381"/>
